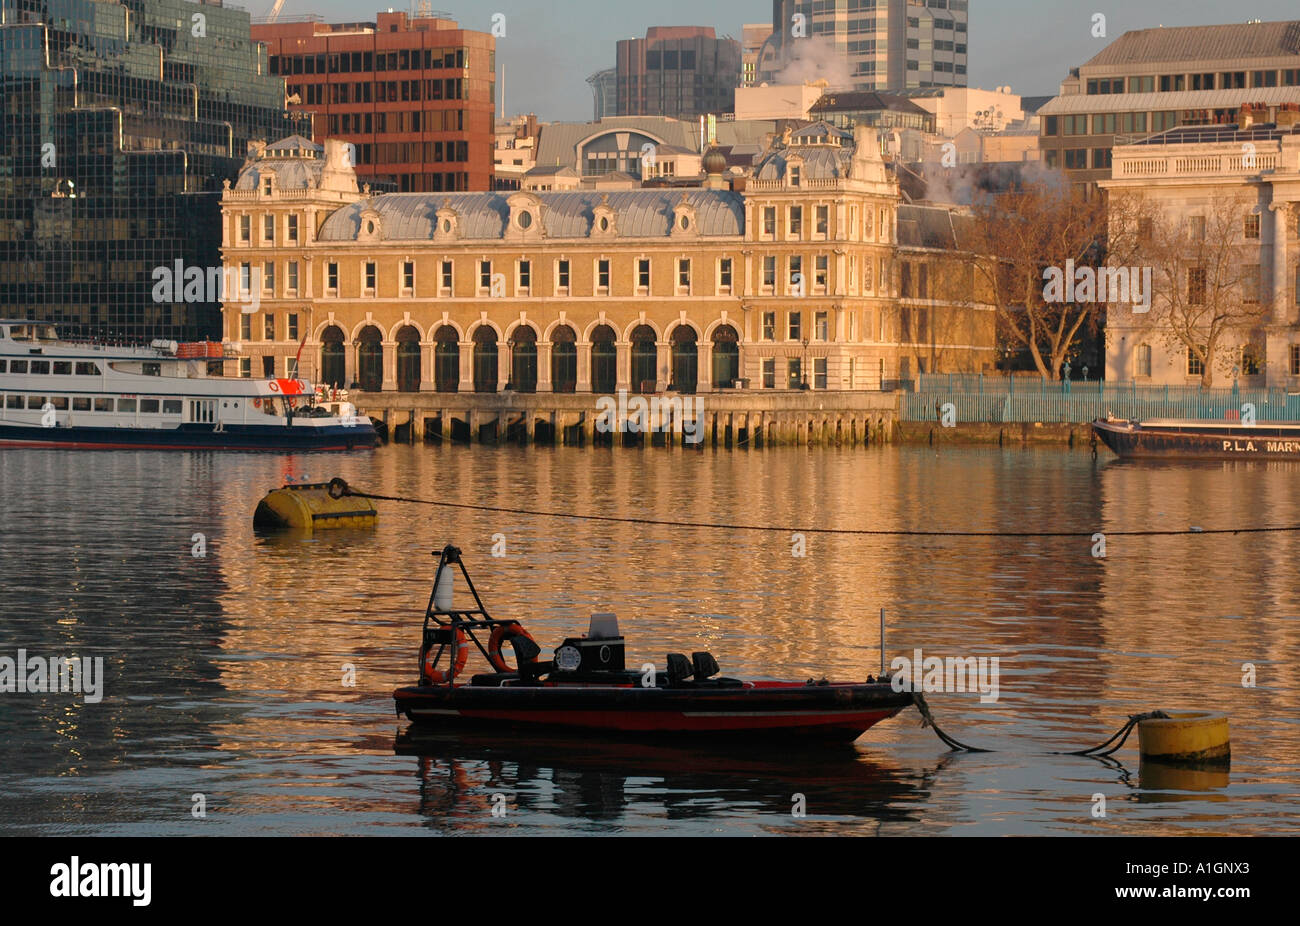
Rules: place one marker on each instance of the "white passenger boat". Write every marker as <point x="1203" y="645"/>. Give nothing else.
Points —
<point x="69" y="394"/>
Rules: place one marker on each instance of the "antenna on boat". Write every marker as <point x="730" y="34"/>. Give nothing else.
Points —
<point x="882" y="642"/>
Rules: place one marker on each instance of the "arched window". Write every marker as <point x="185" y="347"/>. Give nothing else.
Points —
<point x="370" y="359"/>
<point x="523" y="359"/>
<point x="644" y="359"/>
<point x="564" y="360"/>
<point x="333" y="362"/>
<point x="604" y="360"/>
<point x="408" y="359"/>
<point x="485" y="359"/>
<point x="686" y="360"/>
<point x="726" y="357"/>
<point x="446" y="359"/>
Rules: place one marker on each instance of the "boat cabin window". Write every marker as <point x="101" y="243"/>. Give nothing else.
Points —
<point x="63" y="368"/>
<point x="80" y="404"/>
<point x="126" y="405"/>
<point x="151" y="369"/>
<point x="87" y="369"/>
<point x="171" y="406"/>
<point x="21" y="332"/>
<point x="149" y="406"/>
<point x="103" y="405"/>
<point x="17" y="366"/>
<point x="60" y="402"/>
<point x="36" y="401"/>
<point x="13" y="401"/>
<point x="4" y="366"/>
<point x="40" y="367"/>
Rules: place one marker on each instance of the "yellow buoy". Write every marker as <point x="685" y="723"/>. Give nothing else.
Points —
<point x="1185" y="736"/>
<point x="310" y="507"/>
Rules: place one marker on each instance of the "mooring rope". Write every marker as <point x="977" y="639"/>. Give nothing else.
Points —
<point x="1095" y="752"/>
<point x="339" y="488"/>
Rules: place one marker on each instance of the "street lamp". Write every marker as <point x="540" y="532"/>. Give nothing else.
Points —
<point x="510" y="379"/>
<point x="804" y="365"/>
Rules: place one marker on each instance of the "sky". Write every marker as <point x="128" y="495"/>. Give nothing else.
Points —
<point x="551" y="47"/>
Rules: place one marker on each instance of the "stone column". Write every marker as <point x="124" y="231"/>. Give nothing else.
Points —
<point x="1282" y="306"/>
<point x="466" y="366"/>
<point x="584" y="367"/>
<point x="427" y="349"/>
<point x="390" y="366"/>
<point x="706" y="368"/>
<point x="544" y="366"/>
<point x="663" y="366"/>
<point x="624" y="378"/>
<point x="349" y="364"/>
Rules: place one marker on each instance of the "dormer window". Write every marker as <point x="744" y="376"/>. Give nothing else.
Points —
<point x="525" y="220"/>
<point x="266" y="186"/>
<point x="794" y="175"/>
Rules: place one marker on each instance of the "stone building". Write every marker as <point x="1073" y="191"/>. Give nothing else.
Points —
<point x="791" y="283"/>
<point x="1185" y="173"/>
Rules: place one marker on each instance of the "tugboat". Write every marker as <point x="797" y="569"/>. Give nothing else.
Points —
<point x="586" y="685"/>
<point x="1203" y="440"/>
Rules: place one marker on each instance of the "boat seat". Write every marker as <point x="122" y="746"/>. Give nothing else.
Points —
<point x="679" y="668"/>
<point x="704" y="665"/>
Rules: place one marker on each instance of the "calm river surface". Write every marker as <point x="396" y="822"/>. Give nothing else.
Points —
<point x="224" y="673"/>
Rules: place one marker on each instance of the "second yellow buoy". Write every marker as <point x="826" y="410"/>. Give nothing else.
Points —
<point x="1185" y="736"/>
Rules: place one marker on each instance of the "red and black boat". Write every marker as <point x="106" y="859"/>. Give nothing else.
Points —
<point x="586" y="686"/>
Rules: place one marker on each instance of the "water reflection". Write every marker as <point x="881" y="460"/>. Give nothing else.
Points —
<point x="575" y="777"/>
<point x="225" y="672"/>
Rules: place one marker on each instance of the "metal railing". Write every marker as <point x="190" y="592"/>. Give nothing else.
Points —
<point x="1001" y="399"/>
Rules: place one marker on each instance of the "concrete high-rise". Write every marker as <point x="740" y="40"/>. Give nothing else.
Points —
<point x="868" y="44"/>
<point x="678" y="71"/>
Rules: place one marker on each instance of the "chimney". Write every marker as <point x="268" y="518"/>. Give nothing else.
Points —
<point x="1288" y="114"/>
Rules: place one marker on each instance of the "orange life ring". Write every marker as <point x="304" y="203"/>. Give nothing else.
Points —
<point x="500" y="634"/>
<point x="459" y="654"/>
<point x="257" y="403"/>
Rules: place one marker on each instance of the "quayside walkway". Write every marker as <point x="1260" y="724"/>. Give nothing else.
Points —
<point x="714" y="419"/>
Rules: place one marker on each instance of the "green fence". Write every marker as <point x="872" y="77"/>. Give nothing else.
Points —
<point x="996" y="399"/>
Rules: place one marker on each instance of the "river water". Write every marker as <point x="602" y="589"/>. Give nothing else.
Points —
<point x="225" y="706"/>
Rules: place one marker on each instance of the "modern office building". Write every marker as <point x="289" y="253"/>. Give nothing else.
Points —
<point x="416" y="96"/>
<point x="794" y="280"/>
<point x="880" y="44"/>
<point x="679" y="71"/>
<point x="604" y="91"/>
<point x="119" y="121"/>
<point x="1152" y="80"/>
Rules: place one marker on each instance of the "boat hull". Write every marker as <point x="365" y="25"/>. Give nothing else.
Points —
<point x="760" y="710"/>
<point x="1199" y="441"/>
<point x="191" y="437"/>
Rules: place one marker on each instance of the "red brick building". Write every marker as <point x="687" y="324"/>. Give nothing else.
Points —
<point x="416" y="96"/>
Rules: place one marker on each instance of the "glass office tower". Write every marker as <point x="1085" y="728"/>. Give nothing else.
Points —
<point x="119" y="121"/>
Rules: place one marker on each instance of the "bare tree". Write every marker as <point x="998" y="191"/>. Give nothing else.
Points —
<point x="1208" y="295"/>
<point x="1018" y="235"/>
